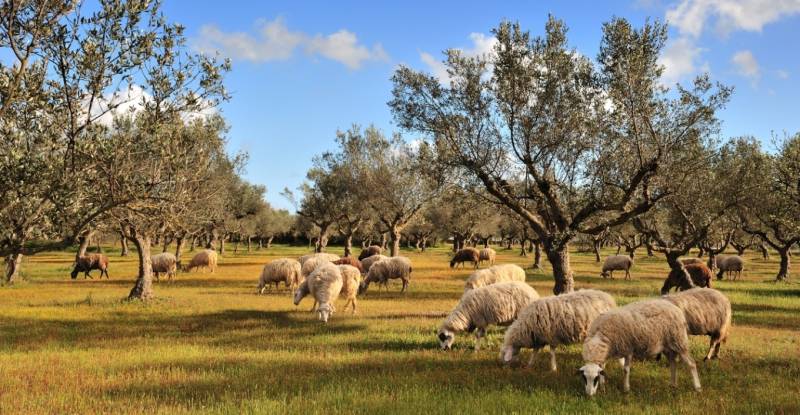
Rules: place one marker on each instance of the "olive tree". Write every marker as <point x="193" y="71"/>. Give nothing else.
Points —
<point x="569" y="145"/>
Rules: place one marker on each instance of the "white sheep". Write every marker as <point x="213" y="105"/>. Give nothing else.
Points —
<point x="312" y="263"/>
<point x="351" y="278"/>
<point x="617" y="263"/>
<point x="164" y="262"/>
<point x="206" y="258"/>
<point x="488" y="255"/>
<point x="493" y="275"/>
<point x="285" y="270"/>
<point x="367" y="262"/>
<point x="708" y="313"/>
<point x="325" y="285"/>
<point x="329" y="257"/>
<point x="497" y="304"/>
<point x="554" y="321"/>
<point x="398" y="267"/>
<point x="638" y="330"/>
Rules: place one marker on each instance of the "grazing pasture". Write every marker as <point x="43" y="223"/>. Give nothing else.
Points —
<point x="207" y="343"/>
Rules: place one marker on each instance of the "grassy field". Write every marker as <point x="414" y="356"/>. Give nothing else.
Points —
<point x="209" y="344"/>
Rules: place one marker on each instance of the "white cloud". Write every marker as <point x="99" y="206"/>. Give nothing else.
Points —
<point x="481" y="45"/>
<point x="679" y="58"/>
<point x="274" y="41"/>
<point x="691" y="16"/>
<point x="123" y="102"/>
<point x="782" y="74"/>
<point x="746" y="64"/>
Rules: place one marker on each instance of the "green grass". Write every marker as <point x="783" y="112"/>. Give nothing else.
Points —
<point x="208" y="344"/>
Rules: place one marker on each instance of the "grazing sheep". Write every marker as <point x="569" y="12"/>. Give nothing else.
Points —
<point x="699" y="273"/>
<point x="732" y="264"/>
<point x="349" y="261"/>
<point x="302" y="291"/>
<point x="366" y="263"/>
<point x="369" y="251"/>
<point x="466" y="255"/>
<point x="494" y="304"/>
<point x="554" y="321"/>
<point x="638" y="330"/>
<point x="687" y="261"/>
<point x="351" y="278"/>
<point x="387" y="269"/>
<point x="312" y="263"/>
<point x="88" y="263"/>
<point x="164" y="263"/>
<point x="494" y="274"/>
<point x="708" y="313"/>
<point x="617" y="263"/>
<point x="488" y="255"/>
<point x="327" y="256"/>
<point x="285" y="270"/>
<point x="325" y="285"/>
<point x="206" y="258"/>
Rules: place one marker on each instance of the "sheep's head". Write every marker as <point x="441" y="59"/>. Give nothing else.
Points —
<point x="452" y="263"/>
<point x="592" y="375"/>
<point x="509" y="353"/>
<point x="324" y="312"/>
<point x="604" y="274"/>
<point x="298" y="295"/>
<point x="74" y="273"/>
<point x="446" y="339"/>
<point x="362" y="287"/>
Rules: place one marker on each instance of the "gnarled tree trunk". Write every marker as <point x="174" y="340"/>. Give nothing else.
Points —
<point x="123" y="242"/>
<point x="143" y="288"/>
<point x="537" y="255"/>
<point x="562" y="272"/>
<point x="179" y="247"/>
<point x="783" y="271"/>
<point x="395" y="237"/>
<point x="348" y="245"/>
<point x="13" y="263"/>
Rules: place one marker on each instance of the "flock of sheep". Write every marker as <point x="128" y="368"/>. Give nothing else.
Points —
<point x="163" y="263"/>
<point x="499" y="295"/>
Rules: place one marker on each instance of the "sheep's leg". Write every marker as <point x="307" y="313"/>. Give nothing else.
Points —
<point x="626" y="386"/>
<point x="627" y="275"/>
<point x="673" y="371"/>
<point x="553" y="366"/>
<point x="405" y="285"/>
<point x="713" y="347"/>
<point x="692" y="369"/>
<point x="533" y="356"/>
<point x="353" y="301"/>
<point x="479" y="334"/>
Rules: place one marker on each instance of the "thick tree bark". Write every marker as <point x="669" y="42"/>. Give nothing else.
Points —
<point x="83" y="244"/>
<point x="348" y="245"/>
<point x="123" y="242"/>
<point x="783" y="271"/>
<point x="649" y="250"/>
<point x="222" y="246"/>
<point x="249" y="243"/>
<point x="562" y="272"/>
<point x="523" y="248"/>
<point x="269" y="242"/>
<point x="395" y="238"/>
<point x="764" y="251"/>
<point x="13" y="263"/>
<point x="537" y="255"/>
<point x="179" y="247"/>
<point x="143" y="289"/>
<point x="192" y="243"/>
<point x="596" y="247"/>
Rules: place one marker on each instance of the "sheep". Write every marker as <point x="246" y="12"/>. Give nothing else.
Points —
<point x="488" y="255"/>
<point x="164" y="263"/>
<point x="327" y="256"/>
<point x="351" y="279"/>
<point x="206" y="258"/>
<point x="325" y="285"/>
<point x="554" y="321"/>
<point x="708" y="313"/>
<point x="366" y="263"/>
<point x="617" y="263"/>
<point x="87" y="263"/>
<point x="494" y="304"/>
<point x="466" y="255"/>
<point x="699" y="273"/>
<point x="732" y="264"/>
<point x="638" y="330"/>
<point x="312" y="263"/>
<point x="387" y="269"/>
<point x="687" y="261"/>
<point x="494" y="274"/>
<point x="369" y="251"/>
<point x="350" y="261"/>
<point x="284" y="270"/>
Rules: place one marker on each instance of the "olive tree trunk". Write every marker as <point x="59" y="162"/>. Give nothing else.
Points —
<point x="783" y="271"/>
<point x="143" y="288"/>
<point x="537" y="255"/>
<point x="395" y="238"/>
<point x="13" y="263"/>
<point x="123" y="242"/>
<point x="179" y="247"/>
<point x="558" y="255"/>
<point x="348" y="245"/>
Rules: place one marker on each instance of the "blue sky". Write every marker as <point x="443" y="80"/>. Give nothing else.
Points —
<point x="303" y="70"/>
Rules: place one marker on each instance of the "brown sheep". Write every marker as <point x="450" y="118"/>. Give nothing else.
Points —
<point x="466" y="255"/>
<point x="350" y="261"/>
<point x="90" y="262"/>
<point x="369" y="251"/>
<point x="701" y="277"/>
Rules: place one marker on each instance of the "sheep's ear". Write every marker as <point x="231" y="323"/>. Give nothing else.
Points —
<point x="602" y="373"/>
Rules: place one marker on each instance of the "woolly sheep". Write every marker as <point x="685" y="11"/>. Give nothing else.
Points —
<point x="366" y="263"/>
<point x="488" y="255"/>
<point x="699" y="273"/>
<point x="732" y="264"/>
<point x="327" y="256"/>
<point x="554" y="321"/>
<point x="349" y="261"/>
<point x="638" y="330"/>
<point x="164" y="263"/>
<point x="494" y="274"/>
<point x="87" y="263"/>
<point x="381" y="272"/>
<point x="325" y="285"/>
<point x="284" y="270"/>
<point x="466" y="255"/>
<point x="312" y="263"/>
<point x="617" y="263"/>
<point x="351" y="278"/>
<point x="206" y="258"/>
<point x="494" y="304"/>
<point x="369" y="251"/>
<point x="687" y="261"/>
<point x="708" y="313"/>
